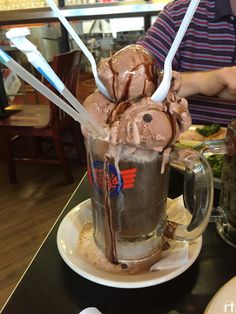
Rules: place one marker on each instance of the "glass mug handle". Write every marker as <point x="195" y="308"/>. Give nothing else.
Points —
<point x="224" y="146"/>
<point x="198" y="193"/>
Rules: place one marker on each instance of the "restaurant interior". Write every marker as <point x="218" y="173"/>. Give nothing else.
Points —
<point x="41" y="166"/>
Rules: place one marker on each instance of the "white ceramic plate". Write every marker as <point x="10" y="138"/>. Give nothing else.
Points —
<point x="224" y="301"/>
<point x="67" y="243"/>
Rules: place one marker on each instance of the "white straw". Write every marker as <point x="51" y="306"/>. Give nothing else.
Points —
<point x="82" y="46"/>
<point x="163" y="89"/>
<point x="17" y="37"/>
<point x="30" y="79"/>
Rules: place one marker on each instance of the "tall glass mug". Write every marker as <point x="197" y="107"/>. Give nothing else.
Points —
<point x="226" y="220"/>
<point x="129" y="194"/>
<point x="226" y="224"/>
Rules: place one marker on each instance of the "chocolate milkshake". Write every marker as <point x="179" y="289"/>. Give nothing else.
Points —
<point x="128" y="172"/>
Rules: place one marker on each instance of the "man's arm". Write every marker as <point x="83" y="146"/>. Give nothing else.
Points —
<point x="220" y="83"/>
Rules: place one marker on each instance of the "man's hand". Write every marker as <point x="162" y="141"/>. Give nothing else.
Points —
<point x="220" y="83"/>
<point x="228" y="76"/>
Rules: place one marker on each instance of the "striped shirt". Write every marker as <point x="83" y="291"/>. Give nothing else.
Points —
<point x="209" y="43"/>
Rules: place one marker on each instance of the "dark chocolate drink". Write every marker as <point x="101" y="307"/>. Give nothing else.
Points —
<point x="128" y="194"/>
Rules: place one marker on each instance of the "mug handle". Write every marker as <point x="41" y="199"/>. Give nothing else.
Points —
<point x="211" y="147"/>
<point x="198" y="193"/>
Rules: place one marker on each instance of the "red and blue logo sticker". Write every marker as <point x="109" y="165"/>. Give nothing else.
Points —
<point x="117" y="181"/>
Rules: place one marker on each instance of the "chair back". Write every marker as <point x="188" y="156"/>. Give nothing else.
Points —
<point x="67" y="67"/>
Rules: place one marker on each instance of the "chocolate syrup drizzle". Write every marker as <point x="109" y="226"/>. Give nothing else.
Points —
<point x="175" y="119"/>
<point x="118" y="110"/>
<point x="111" y="252"/>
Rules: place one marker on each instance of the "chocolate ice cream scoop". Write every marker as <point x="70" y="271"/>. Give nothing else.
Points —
<point x="149" y="124"/>
<point x="130" y="73"/>
<point x="99" y="106"/>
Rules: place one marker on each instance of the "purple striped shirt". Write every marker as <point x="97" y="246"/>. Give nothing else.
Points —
<point x="209" y="43"/>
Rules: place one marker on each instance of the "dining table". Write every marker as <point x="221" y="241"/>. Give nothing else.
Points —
<point x="51" y="286"/>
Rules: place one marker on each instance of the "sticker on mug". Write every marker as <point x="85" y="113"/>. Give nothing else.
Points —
<point x="117" y="181"/>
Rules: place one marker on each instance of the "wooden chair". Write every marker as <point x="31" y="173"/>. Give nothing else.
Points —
<point x="43" y="121"/>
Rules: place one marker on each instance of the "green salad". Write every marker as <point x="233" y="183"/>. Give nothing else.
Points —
<point x="208" y="130"/>
<point x="216" y="162"/>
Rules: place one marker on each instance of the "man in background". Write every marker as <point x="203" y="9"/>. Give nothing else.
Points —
<point x="209" y="43"/>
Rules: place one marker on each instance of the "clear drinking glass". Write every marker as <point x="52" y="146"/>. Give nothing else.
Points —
<point x="226" y="216"/>
<point x="129" y="195"/>
<point x="226" y="224"/>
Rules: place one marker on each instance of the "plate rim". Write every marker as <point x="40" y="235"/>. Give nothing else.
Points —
<point x="116" y="282"/>
<point x="220" y="295"/>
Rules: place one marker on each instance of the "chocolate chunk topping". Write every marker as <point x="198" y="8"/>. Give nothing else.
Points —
<point x="123" y="266"/>
<point x="147" y="117"/>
